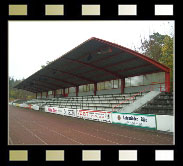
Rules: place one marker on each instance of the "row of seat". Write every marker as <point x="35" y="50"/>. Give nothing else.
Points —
<point x="100" y="102"/>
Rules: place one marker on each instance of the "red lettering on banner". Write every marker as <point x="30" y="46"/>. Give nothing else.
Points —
<point x="49" y="109"/>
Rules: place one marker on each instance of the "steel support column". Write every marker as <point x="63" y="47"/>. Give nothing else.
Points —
<point x="122" y="85"/>
<point x="77" y="91"/>
<point x="64" y="92"/>
<point x="41" y="95"/>
<point x="167" y="81"/>
<point x="95" y="89"/>
<point x="54" y="93"/>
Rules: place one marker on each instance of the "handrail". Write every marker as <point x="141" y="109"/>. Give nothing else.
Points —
<point x="155" y="83"/>
<point x="132" y="97"/>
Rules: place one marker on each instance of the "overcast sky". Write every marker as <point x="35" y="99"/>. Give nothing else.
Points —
<point x="33" y="43"/>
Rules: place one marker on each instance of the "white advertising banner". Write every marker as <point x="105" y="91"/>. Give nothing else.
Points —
<point x="102" y="116"/>
<point x="35" y="107"/>
<point x="138" y="120"/>
<point x="67" y="112"/>
<point x="83" y="114"/>
<point x="62" y="111"/>
<point x="23" y="105"/>
<point x="72" y="112"/>
<point x="51" y="109"/>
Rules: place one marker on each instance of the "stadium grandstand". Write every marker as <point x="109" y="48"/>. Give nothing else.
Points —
<point x="103" y="77"/>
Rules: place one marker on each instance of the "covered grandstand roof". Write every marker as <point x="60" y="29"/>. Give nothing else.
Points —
<point x="93" y="61"/>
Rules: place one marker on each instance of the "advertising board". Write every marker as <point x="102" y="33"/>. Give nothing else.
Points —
<point x="137" y="120"/>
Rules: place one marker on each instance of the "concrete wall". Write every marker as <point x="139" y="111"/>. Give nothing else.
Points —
<point x="165" y="123"/>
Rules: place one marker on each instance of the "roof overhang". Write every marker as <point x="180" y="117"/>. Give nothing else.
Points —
<point x="93" y="61"/>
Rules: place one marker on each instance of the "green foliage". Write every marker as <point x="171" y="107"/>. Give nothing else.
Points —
<point x="152" y="47"/>
<point x="17" y="93"/>
<point x="160" y="48"/>
<point x="47" y="63"/>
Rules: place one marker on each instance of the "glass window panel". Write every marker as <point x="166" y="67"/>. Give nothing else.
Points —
<point x="98" y="86"/>
<point x="127" y="82"/>
<point x="116" y="85"/>
<point x="66" y="90"/>
<point x="50" y="92"/>
<point x="147" y="79"/>
<point x="72" y="90"/>
<point x="81" y="88"/>
<point x="91" y="87"/>
<point x="84" y="88"/>
<point x="108" y="85"/>
<point x="119" y="83"/>
<point x="102" y="85"/>
<point x="43" y="93"/>
<point x="161" y="77"/>
<point x="158" y="77"/>
<point x="137" y="80"/>
<point x="88" y="88"/>
<point x="58" y="91"/>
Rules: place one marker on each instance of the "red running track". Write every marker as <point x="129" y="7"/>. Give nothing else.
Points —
<point x="31" y="127"/>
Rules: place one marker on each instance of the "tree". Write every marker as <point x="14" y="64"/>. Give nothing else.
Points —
<point x="167" y="56"/>
<point x="160" y="48"/>
<point x="47" y="63"/>
<point x="18" y="93"/>
<point x="152" y="47"/>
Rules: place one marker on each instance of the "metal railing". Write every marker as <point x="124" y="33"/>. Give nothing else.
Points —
<point x="162" y="87"/>
<point x="150" y="88"/>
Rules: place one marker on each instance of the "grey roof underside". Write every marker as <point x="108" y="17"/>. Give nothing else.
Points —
<point x="84" y="65"/>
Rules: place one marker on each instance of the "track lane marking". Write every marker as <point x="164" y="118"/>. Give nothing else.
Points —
<point x="57" y="133"/>
<point x="28" y="130"/>
<point x="78" y="132"/>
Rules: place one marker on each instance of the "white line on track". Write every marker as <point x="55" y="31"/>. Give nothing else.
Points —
<point x="96" y="136"/>
<point x="28" y="130"/>
<point x="57" y="133"/>
<point x="121" y="135"/>
<point x="78" y="132"/>
<point x="11" y="142"/>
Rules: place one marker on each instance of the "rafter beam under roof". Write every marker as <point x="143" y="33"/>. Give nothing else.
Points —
<point x="75" y="75"/>
<point x="93" y="66"/>
<point x="60" y="80"/>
